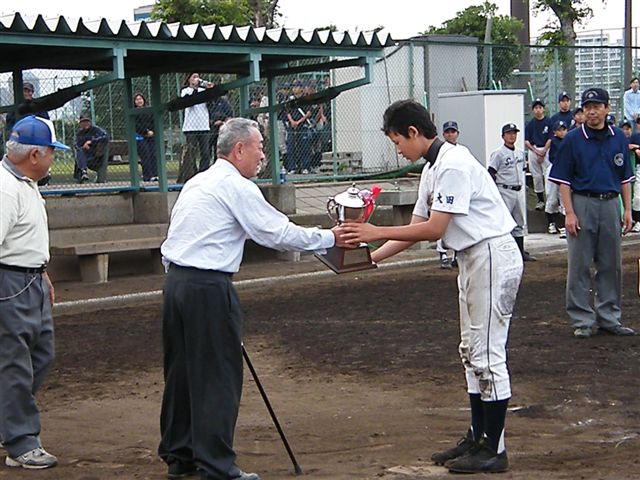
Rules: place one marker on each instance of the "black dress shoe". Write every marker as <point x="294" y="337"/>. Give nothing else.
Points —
<point x="180" y="469"/>
<point x="620" y="331"/>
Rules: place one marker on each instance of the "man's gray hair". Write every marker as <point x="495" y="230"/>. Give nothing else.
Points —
<point x="233" y="131"/>
<point x="21" y="150"/>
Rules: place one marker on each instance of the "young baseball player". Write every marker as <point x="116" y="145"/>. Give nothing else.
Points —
<point x="553" y="208"/>
<point x="578" y="118"/>
<point x="450" y="132"/>
<point x="634" y="153"/>
<point x="459" y="202"/>
<point x="506" y="166"/>
<point x="564" y="113"/>
<point x="538" y="140"/>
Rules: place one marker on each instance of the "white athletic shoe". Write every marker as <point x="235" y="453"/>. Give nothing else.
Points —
<point x="35" y="459"/>
<point x="552" y="228"/>
<point x="540" y="206"/>
<point x="563" y="232"/>
<point x="636" y="228"/>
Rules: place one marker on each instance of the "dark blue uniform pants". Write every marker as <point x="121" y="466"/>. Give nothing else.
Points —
<point x="202" y="329"/>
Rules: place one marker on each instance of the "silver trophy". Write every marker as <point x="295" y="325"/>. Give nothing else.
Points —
<point x="355" y="205"/>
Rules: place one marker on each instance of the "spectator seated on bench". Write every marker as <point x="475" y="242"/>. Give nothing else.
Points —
<point x="91" y="151"/>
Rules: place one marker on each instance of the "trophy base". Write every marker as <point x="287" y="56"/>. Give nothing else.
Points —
<point x="342" y="260"/>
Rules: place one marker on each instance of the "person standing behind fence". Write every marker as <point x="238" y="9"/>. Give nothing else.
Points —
<point x="202" y="317"/>
<point x="632" y="101"/>
<point x="537" y="139"/>
<point x="593" y="169"/>
<point x="13" y="117"/>
<point x="299" y="134"/>
<point x="26" y="292"/>
<point x="145" y="143"/>
<point x="196" y="126"/>
<point x="220" y="110"/>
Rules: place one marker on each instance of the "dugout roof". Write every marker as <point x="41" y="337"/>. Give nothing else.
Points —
<point x="142" y="48"/>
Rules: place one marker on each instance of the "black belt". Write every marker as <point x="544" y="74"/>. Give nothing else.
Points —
<point x="598" y="195"/>
<point x="515" y="188"/>
<point x="14" y="268"/>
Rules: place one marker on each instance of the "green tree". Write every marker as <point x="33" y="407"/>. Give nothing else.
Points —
<point x="560" y="32"/>
<point x="472" y="21"/>
<point x="220" y="12"/>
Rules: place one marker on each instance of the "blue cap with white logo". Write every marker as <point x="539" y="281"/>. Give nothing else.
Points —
<point x="34" y="130"/>
<point x="450" y="125"/>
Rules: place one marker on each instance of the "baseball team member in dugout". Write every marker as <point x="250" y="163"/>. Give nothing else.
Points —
<point x="459" y="202"/>
<point x="593" y="168"/>
<point x="215" y="213"/>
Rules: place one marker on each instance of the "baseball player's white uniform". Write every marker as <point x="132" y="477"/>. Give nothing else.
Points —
<point x="509" y="167"/>
<point x="490" y="264"/>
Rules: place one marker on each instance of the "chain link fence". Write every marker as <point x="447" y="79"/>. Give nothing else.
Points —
<point x="333" y="139"/>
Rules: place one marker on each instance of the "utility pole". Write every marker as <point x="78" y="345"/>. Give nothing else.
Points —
<point x="520" y="10"/>
<point x="628" y="51"/>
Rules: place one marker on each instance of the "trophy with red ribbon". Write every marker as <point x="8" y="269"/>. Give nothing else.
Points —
<point x="354" y="205"/>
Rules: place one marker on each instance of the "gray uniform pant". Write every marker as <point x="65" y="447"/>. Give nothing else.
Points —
<point x="26" y="353"/>
<point x="201" y="332"/>
<point x="598" y="241"/>
<point x="515" y="204"/>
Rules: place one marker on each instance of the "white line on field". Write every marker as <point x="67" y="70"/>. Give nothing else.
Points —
<point x="157" y="294"/>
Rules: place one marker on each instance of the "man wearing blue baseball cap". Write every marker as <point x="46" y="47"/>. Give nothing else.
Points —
<point x="26" y="293"/>
<point x="593" y="168"/>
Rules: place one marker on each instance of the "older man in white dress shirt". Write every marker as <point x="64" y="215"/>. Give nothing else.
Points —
<point x="202" y="321"/>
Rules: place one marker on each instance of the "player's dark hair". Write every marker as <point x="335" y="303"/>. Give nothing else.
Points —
<point x="401" y="115"/>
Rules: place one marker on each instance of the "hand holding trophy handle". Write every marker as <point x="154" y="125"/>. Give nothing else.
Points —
<point x="354" y="205"/>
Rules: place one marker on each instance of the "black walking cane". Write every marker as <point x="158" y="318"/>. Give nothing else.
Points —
<point x="296" y="467"/>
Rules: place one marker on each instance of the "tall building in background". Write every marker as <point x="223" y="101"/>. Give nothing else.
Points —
<point x="142" y="13"/>
<point x="600" y="65"/>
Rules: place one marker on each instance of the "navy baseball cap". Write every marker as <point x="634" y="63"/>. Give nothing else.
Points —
<point x="509" y="127"/>
<point x="34" y="130"/>
<point x="537" y="101"/>
<point x="450" y="125"/>
<point x="625" y="122"/>
<point x="595" y="95"/>
<point x="558" y="125"/>
<point x="577" y="110"/>
<point x="611" y="119"/>
<point x="563" y="95"/>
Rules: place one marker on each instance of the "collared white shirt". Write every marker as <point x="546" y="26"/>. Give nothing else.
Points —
<point x="24" y="229"/>
<point x="457" y="183"/>
<point x="218" y="210"/>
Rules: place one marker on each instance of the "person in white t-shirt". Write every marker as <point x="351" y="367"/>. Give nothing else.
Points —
<point x="196" y="126"/>
<point x="459" y="202"/>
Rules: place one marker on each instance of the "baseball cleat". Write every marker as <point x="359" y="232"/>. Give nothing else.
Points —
<point x="482" y="459"/>
<point x="636" y="228"/>
<point x="552" y="229"/>
<point x="540" y="206"/>
<point x="464" y="445"/>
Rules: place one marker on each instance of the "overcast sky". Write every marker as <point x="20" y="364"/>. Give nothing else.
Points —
<point x="402" y="18"/>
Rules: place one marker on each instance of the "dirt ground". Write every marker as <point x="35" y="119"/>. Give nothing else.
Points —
<point x="363" y="372"/>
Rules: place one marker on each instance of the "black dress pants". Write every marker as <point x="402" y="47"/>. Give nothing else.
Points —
<point x="202" y="335"/>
